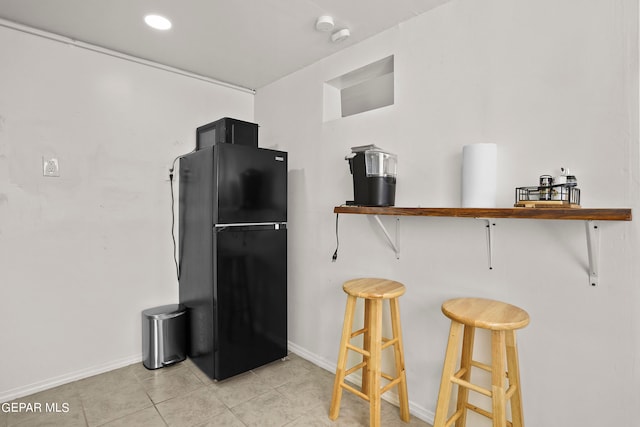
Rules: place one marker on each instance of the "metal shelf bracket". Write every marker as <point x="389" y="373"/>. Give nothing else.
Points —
<point x="593" y="250"/>
<point x="395" y="244"/>
<point x="490" y="224"/>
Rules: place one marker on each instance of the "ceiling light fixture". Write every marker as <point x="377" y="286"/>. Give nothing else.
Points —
<point x="158" y="22"/>
<point x="324" y="23"/>
<point x="341" y="35"/>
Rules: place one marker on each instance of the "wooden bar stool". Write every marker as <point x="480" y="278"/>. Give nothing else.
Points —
<point x="502" y="320"/>
<point x="374" y="291"/>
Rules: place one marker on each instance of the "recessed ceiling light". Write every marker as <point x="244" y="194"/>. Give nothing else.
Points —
<point x="158" y="22"/>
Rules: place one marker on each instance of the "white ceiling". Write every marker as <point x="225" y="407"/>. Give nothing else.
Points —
<point x="249" y="43"/>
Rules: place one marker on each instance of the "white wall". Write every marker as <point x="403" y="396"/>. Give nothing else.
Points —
<point x="83" y="254"/>
<point x="553" y="84"/>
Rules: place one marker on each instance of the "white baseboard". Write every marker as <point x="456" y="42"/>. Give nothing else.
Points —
<point x="416" y="410"/>
<point x="15" y="393"/>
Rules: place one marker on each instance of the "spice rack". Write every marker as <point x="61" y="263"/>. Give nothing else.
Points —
<point x="590" y="216"/>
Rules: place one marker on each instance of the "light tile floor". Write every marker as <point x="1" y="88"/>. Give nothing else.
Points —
<point x="292" y="393"/>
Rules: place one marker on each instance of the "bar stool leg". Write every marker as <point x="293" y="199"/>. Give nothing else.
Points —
<point x="497" y="379"/>
<point x="375" y="368"/>
<point x="450" y="359"/>
<point x="394" y="308"/>
<point x="514" y="379"/>
<point x="342" y="357"/>
<point x="465" y="363"/>
<point x="366" y="346"/>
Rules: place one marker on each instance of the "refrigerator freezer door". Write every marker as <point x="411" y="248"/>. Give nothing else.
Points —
<point x="250" y="298"/>
<point x="251" y="185"/>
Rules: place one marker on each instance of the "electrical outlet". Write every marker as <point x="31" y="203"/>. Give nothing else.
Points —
<point x="50" y="167"/>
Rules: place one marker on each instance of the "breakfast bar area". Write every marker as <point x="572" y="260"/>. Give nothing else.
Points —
<point x="592" y="217"/>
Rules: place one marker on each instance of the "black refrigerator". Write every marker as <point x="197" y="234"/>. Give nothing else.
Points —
<point x="233" y="256"/>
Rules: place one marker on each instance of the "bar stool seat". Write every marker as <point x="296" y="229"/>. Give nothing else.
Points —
<point x="373" y="291"/>
<point x="502" y="320"/>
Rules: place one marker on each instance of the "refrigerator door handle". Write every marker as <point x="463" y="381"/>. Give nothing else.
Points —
<point x="273" y="225"/>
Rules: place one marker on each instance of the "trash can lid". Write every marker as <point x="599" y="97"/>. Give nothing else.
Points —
<point x="165" y="311"/>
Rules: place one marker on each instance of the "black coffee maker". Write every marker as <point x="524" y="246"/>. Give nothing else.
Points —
<point x="374" y="176"/>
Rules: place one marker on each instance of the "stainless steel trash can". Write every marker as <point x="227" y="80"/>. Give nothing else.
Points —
<point x="163" y="336"/>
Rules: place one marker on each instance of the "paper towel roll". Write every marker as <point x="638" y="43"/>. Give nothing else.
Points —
<point x="479" y="175"/>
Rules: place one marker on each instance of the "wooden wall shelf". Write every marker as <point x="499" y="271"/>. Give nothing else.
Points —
<point x="584" y="214"/>
<point x="588" y="215"/>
